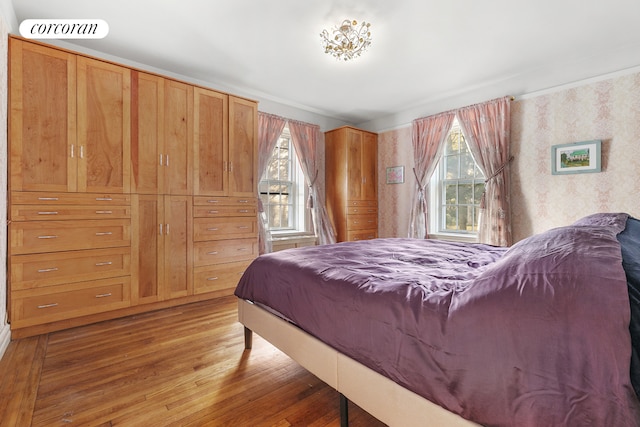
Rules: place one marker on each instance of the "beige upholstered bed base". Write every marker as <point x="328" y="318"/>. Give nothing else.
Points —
<point x="384" y="399"/>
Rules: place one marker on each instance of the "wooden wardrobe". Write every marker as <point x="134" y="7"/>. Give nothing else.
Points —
<point x="351" y="159"/>
<point x="128" y="191"/>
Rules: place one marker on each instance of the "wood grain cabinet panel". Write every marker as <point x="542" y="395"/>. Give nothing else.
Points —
<point x="161" y="249"/>
<point x="104" y="135"/>
<point x="218" y="277"/>
<point x="243" y="147"/>
<point x="34" y="307"/>
<point x="211" y="142"/>
<point x="42" y="118"/>
<point x="56" y="268"/>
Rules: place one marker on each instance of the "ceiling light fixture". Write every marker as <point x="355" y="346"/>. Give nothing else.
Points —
<point x="348" y="40"/>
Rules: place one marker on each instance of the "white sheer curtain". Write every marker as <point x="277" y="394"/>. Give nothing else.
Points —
<point x="486" y="128"/>
<point x="305" y="139"/>
<point x="269" y="130"/>
<point x="428" y="135"/>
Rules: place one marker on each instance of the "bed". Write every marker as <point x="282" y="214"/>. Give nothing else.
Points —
<point x="426" y="332"/>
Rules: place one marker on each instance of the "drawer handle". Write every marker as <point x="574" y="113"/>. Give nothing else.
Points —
<point x="212" y="253"/>
<point x="48" y="237"/>
<point x="48" y="199"/>
<point x="243" y="201"/>
<point x="243" y="210"/>
<point x="47" y="270"/>
<point x="55" y="304"/>
<point x="243" y="227"/>
<point x="356" y="222"/>
<point x="104" y="212"/>
<point x="213" y="212"/>
<point x="212" y="278"/>
<point x="48" y="213"/>
<point x="104" y="199"/>
<point x="213" y="201"/>
<point x="104" y="233"/>
<point x="108" y="294"/>
<point x="99" y="264"/>
<point x="213" y="229"/>
<point x="355" y="211"/>
<point x="371" y="221"/>
<point x="243" y="249"/>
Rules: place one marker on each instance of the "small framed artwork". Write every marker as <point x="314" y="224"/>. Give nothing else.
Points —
<point x="395" y="175"/>
<point x="577" y="157"/>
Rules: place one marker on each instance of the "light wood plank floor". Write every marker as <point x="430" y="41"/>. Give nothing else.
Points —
<point x="182" y="366"/>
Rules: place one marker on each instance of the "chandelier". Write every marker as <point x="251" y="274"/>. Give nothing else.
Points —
<point x="348" y="40"/>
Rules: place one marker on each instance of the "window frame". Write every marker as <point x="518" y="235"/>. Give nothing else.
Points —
<point x="437" y="189"/>
<point x="300" y="214"/>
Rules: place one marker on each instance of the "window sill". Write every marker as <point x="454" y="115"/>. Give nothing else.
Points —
<point x="289" y="241"/>
<point x="455" y="237"/>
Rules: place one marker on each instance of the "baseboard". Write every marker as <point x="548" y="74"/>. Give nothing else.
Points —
<point x="5" y="338"/>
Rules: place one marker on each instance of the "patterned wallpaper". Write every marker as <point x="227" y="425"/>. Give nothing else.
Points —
<point x="607" y="110"/>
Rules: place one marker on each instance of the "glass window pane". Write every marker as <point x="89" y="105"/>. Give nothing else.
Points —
<point x="465" y="218"/>
<point x="451" y="217"/>
<point x="452" y="171"/>
<point x="476" y="212"/>
<point x="451" y="195"/>
<point x="449" y="147"/>
<point x="478" y="190"/>
<point x="467" y="166"/>
<point x="465" y="194"/>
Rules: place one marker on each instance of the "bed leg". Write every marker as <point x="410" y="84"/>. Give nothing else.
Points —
<point x="344" y="411"/>
<point x="248" y="338"/>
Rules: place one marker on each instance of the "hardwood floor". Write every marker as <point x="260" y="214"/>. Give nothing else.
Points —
<point x="182" y="366"/>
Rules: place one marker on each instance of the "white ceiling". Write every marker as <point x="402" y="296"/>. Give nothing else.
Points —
<point x="423" y="51"/>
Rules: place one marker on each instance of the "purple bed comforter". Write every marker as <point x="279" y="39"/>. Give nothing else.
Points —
<point x="534" y="335"/>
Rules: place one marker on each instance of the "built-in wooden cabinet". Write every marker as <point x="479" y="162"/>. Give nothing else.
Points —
<point x="103" y="126"/>
<point x="211" y="143"/>
<point x="162" y="135"/>
<point x="351" y="182"/>
<point x="129" y="191"/>
<point x="161" y="247"/>
<point x="224" y="230"/>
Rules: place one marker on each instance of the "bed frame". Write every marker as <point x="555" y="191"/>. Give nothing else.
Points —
<point x="389" y="402"/>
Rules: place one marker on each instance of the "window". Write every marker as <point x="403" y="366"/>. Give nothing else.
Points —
<point x="456" y="187"/>
<point x="283" y="190"/>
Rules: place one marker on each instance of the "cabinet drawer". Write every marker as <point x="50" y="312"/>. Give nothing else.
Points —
<point x="218" y="277"/>
<point x="363" y="203"/>
<point x="53" y="236"/>
<point x="222" y="251"/>
<point x="224" y="211"/>
<point x="67" y="212"/>
<point x="362" y="222"/>
<point x="46" y="198"/>
<point x="361" y="235"/>
<point x="48" y="269"/>
<point x="219" y="201"/>
<point x="361" y="210"/>
<point x="224" y="228"/>
<point x="66" y="301"/>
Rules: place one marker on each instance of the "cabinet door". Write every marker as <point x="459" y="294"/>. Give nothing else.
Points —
<point x="178" y="137"/>
<point x="243" y="147"/>
<point x="178" y="241"/>
<point x="369" y="167"/>
<point x="104" y="104"/>
<point x="147" y="137"/>
<point x="354" y="165"/>
<point x="42" y="123"/>
<point x="147" y="248"/>
<point x="210" y="143"/>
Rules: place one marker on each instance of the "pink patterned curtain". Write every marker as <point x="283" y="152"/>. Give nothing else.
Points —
<point x="428" y="135"/>
<point x="305" y="139"/>
<point x="269" y="130"/>
<point x="486" y="128"/>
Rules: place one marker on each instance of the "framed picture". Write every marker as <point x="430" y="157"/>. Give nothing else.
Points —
<point x="395" y="175"/>
<point x="577" y="157"/>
